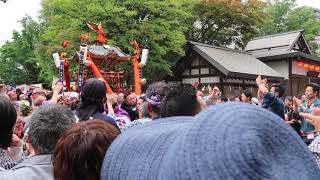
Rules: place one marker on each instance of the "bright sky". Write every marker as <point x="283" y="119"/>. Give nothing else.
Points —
<point x="311" y="3"/>
<point x="13" y="10"/>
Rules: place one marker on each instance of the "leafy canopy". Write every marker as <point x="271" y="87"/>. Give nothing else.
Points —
<point x="222" y="22"/>
<point x="157" y="25"/>
<point x="284" y="15"/>
<point x="18" y="57"/>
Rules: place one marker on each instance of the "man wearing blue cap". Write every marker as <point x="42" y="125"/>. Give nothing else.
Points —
<point x="227" y="141"/>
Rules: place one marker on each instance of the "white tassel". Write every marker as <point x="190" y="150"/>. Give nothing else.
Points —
<point x="56" y="59"/>
<point x="144" y="57"/>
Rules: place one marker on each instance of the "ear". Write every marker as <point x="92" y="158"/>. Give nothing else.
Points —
<point x="29" y="146"/>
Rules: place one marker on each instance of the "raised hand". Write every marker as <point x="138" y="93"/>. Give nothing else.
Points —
<point x="58" y="87"/>
<point x="16" y="141"/>
<point x="216" y="91"/>
<point x="112" y="98"/>
<point x="295" y="100"/>
<point x="312" y="119"/>
<point x="258" y="80"/>
<point x="264" y="81"/>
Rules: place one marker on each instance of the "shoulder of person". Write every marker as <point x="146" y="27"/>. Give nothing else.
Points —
<point x="99" y="115"/>
<point x="268" y="95"/>
<point x="104" y="117"/>
<point x="281" y="102"/>
<point x="317" y="102"/>
<point x="35" y="167"/>
<point x="269" y="100"/>
<point x="314" y="146"/>
<point x="124" y="105"/>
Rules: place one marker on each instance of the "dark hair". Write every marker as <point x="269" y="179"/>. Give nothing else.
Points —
<point x="8" y="117"/>
<point x="18" y="91"/>
<point x="18" y="96"/>
<point x="233" y="98"/>
<point x="160" y="89"/>
<point x="144" y="110"/>
<point x="289" y="98"/>
<point x="173" y="85"/>
<point x="143" y="97"/>
<point x="94" y="91"/>
<point x="224" y="99"/>
<point x="248" y="93"/>
<point x="126" y="94"/>
<point x="279" y="89"/>
<point x="9" y="88"/>
<point x="315" y="87"/>
<point x="180" y="101"/>
<point x="47" y="125"/>
<point x="80" y="151"/>
<point x="49" y="95"/>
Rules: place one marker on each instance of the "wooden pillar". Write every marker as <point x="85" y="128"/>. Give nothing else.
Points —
<point x="199" y="71"/>
<point x="118" y="82"/>
<point x="135" y="61"/>
<point x="137" y="80"/>
<point x="290" y="78"/>
<point x="221" y="85"/>
<point x="97" y="74"/>
<point x="243" y="85"/>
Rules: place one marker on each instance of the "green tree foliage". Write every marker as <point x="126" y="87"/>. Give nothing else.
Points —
<point x="305" y="18"/>
<point x="284" y="15"/>
<point x="18" y="58"/>
<point x="276" y="20"/>
<point x="157" y="25"/>
<point x="222" y="22"/>
<point x="160" y="25"/>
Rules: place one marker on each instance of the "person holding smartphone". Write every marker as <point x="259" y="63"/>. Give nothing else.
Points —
<point x="314" y="119"/>
<point x="289" y="115"/>
<point x="312" y="93"/>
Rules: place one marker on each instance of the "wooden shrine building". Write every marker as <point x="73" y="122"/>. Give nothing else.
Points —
<point x="281" y="58"/>
<point x="289" y="54"/>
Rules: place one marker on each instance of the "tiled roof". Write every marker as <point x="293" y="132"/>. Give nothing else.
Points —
<point x="283" y="41"/>
<point x="234" y="62"/>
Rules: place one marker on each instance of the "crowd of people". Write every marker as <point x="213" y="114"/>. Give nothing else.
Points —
<point x="172" y="131"/>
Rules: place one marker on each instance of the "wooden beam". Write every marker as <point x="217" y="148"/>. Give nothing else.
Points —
<point x="221" y="85"/>
<point x="290" y="78"/>
<point x="199" y="70"/>
<point x="199" y="75"/>
<point x="243" y="85"/>
<point x="201" y="66"/>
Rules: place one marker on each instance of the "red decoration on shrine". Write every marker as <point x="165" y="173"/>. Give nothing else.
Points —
<point x="100" y="32"/>
<point x="101" y="62"/>
<point x="66" y="44"/>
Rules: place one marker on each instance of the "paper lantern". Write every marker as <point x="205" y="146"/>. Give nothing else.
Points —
<point x="300" y="64"/>
<point x="306" y="65"/>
